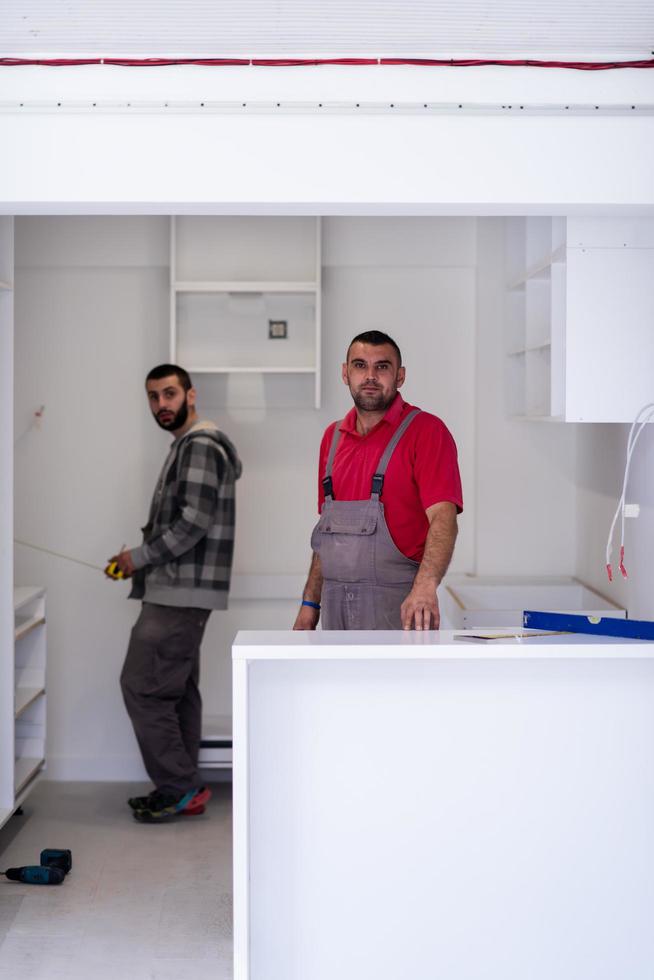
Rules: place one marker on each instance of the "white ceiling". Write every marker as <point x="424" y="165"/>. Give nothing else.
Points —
<point x="596" y="29"/>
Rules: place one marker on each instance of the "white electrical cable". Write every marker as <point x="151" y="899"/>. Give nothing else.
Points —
<point x="637" y="427"/>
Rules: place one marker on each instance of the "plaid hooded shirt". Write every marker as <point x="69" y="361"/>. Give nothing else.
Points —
<point x="188" y="542"/>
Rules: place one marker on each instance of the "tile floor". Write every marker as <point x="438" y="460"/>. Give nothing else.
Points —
<point x="141" y="903"/>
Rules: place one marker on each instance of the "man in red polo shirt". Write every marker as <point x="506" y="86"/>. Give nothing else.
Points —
<point x="389" y="495"/>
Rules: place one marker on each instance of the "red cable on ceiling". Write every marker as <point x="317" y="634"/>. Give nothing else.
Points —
<point x="518" y="63"/>
<point x="304" y="62"/>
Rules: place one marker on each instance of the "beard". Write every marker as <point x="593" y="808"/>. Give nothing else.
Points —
<point x="373" y="401"/>
<point x="178" y="419"/>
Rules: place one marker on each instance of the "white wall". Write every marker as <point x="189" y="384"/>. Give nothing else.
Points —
<point x="600" y="471"/>
<point x="92" y="317"/>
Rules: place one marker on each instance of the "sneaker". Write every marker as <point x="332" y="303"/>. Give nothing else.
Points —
<point x="149" y="802"/>
<point x="161" y="807"/>
<point x="140" y="802"/>
<point x="197" y="805"/>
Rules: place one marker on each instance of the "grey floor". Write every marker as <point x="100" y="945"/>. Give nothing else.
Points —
<point x="141" y="903"/>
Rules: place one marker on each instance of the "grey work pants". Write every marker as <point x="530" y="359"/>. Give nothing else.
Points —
<point x="159" y="681"/>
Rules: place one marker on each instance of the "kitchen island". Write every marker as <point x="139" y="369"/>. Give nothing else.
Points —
<point x="421" y="806"/>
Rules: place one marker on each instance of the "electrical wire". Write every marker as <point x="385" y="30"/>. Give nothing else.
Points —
<point x="637" y="427"/>
<point x="313" y="62"/>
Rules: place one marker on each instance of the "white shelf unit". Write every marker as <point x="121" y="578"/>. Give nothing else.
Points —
<point x="24" y="753"/>
<point x="579" y="296"/>
<point x="228" y="278"/>
<point x="534" y="343"/>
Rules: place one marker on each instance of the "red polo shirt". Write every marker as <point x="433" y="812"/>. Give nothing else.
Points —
<point x="423" y="470"/>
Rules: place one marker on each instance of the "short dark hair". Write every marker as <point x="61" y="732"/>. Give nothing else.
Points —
<point x="165" y="371"/>
<point x="376" y="338"/>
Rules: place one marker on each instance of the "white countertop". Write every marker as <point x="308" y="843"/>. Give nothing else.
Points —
<point x="432" y="644"/>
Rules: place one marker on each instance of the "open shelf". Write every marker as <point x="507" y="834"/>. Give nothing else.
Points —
<point x="25" y="771"/>
<point x="25" y="594"/>
<point x="525" y="350"/>
<point x="245" y="287"/>
<point x="25" y="697"/>
<point x="23" y="627"/>
<point x="229" y="280"/>
<point x="534" y="316"/>
<point x="540" y="270"/>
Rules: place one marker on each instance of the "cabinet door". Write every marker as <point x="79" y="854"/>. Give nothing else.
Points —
<point x="609" y="333"/>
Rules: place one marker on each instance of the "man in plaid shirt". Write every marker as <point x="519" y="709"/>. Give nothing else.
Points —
<point x="180" y="572"/>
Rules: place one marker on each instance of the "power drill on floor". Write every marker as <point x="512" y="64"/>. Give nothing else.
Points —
<point x="55" y="865"/>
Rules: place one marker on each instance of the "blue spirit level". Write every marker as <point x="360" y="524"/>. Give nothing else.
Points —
<point x="626" y="629"/>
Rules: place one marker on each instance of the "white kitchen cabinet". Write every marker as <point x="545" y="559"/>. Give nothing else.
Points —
<point x="579" y="338"/>
<point x="233" y="280"/>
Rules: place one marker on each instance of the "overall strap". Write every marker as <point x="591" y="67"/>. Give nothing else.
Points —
<point x="327" y="479"/>
<point x="378" y="478"/>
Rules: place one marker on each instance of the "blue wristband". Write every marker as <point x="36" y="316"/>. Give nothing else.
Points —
<point x="314" y="605"/>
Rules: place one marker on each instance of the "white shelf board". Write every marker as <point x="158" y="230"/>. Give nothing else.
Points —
<point x="539" y="270"/>
<point x="251" y="370"/>
<point x="5" y="814"/>
<point x="245" y="287"/>
<point x="526" y="350"/>
<point x="25" y="594"/>
<point x="27" y="626"/>
<point x="25" y="770"/>
<point x="533" y="417"/>
<point x="25" y="696"/>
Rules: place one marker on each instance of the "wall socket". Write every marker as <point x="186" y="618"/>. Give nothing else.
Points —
<point x="277" y="329"/>
<point x="632" y="510"/>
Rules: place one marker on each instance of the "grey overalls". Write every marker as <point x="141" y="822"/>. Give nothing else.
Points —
<point x="366" y="578"/>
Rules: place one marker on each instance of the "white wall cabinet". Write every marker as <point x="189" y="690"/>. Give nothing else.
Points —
<point x="579" y="300"/>
<point x="230" y="280"/>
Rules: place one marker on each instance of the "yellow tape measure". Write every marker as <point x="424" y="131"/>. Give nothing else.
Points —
<point x="113" y="571"/>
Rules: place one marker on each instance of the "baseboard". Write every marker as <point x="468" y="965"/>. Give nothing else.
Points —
<point x="116" y="769"/>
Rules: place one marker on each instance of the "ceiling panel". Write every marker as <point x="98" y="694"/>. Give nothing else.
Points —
<point x="248" y="28"/>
